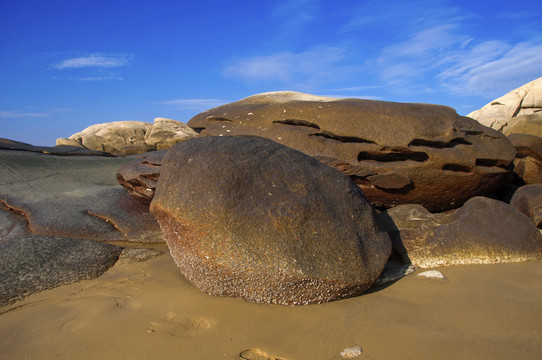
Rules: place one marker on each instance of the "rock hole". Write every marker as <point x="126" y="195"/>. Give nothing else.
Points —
<point x="393" y="155"/>
<point x="343" y="139"/>
<point x="297" y="122"/>
<point x="198" y="130"/>
<point x="439" y="144"/>
<point x="219" y="118"/>
<point x="492" y="163"/>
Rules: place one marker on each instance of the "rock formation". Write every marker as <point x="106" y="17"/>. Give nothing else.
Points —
<point x="528" y="200"/>
<point x="483" y="231"/>
<point x="397" y="153"/>
<point x="130" y="137"/>
<point x="245" y="216"/>
<point x="140" y="176"/>
<point x="528" y="161"/>
<point x="519" y="106"/>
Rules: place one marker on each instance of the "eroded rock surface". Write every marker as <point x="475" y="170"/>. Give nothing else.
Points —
<point x="528" y="200"/>
<point x="31" y="264"/>
<point x="130" y="137"/>
<point x="483" y="231"/>
<point x="139" y="177"/>
<point x="247" y="217"/>
<point x="76" y="197"/>
<point x="501" y="113"/>
<point x="528" y="161"/>
<point x="396" y="153"/>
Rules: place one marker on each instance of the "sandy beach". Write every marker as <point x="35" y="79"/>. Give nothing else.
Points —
<point x="147" y="310"/>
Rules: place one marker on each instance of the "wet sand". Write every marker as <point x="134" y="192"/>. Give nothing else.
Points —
<point x="147" y="310"/>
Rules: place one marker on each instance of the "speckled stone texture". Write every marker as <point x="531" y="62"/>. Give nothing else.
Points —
<point x="397" y="153"/>
<point x="483" y="231"/>
<point x="31" y="264"/>
<point x="248" y="217"/>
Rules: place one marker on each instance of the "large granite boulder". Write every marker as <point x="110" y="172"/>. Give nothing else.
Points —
<point x="524" y="101"/>
<point x="248" y="217"/>
<point x="130" y="137"/>
<point x="525" y="124"/>
<point x="140" y="176"/>
<point x="74" y="197"/>
<point x="528" y="161"/>
<point x="528" y="200"/>
<point x="31" y="264"/>
<point x="397" y="153"/>
<point x="483" y="231"/>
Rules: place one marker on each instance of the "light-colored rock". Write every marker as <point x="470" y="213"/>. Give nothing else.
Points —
<point x="525" y="124"/>
<point x="130" y="137"/>
<point x="351" y="352"/>
<point x="257" y="354"/>
<point x="432" y="274"/>
<point x="523" y="101"/>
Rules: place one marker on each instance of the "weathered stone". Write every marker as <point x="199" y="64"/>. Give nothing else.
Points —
<point x="74" y="196"/>
<point x="140" y="176"/>
<point x="34" y="263"/>
<point x="498" y="114"/>
<point x="528" y="161"/>
<point x="483" y="231"/>
<point x="130" y="137"/>
<point x="61" y="150"/>
<point x="397" y="153"/>
<point x="248" y="217"/>
<point x="257" y="354"/>
<point x="526" y="124"/>
<point x="528" y="200"/>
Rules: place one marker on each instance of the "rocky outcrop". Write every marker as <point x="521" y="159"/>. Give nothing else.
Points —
<point x="526" y="124"/>
<point x="140" y="176"/>
<point x="528" y="200"/>
<point x="247" y="217"/>
<point x="483" y="231"/>
<point x="523" y="103"/>
<point x="528" y="161"/>
<point x="396" y="153"/>
<point x="34" y="263"/>
<point x="60" y="150"/>
<point x="130" y="137"/>
<point x="75" y="197"/>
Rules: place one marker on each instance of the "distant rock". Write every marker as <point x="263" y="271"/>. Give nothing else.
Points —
<point x="139" y="177"/>
<point x="528" y="161"/>
<point x="130" y="137"/>
<point x="522" y="104"/>
<point x="74" y="197"/>
<point x="60" y="150"/>
<point x="483" y="231"/>
<point x="396" y="153"/>
<point x="526" y="124"/>
<point x="247" y="217"/>
<point x="528" y="200"/>
<point x="34" y="263"/>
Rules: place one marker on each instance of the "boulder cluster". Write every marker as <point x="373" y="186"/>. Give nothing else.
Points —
<point x="288" y="198"/>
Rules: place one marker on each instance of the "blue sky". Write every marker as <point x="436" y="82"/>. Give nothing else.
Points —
<point x="65" y="65"/>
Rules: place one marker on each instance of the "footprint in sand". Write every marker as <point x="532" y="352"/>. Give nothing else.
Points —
<point x="79" y="322"/>
<point x="181" y="327"/>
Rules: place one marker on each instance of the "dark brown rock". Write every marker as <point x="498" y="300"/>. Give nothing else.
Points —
<point x="528" y="161"/>
<point x="528" y="200"/>
<point x="248" y="217"/>
<point x="397" y="153"/>
<point x="140" y="176"/>
<point x="483" y="231"/>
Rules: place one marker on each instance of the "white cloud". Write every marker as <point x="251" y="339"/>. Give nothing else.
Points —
<point x="94" y="61"/>
<point x="20" y="114"/>
<point x="318" y="65"/>
<point x="195" y="104"/>
<point x="495" y="67"/>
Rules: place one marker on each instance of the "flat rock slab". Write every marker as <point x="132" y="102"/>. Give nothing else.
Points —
<point x="483" y="231"/>
<point x="140" y="176"/>
<point x="35" y="263"/>
<point x="397" y="153"/>
<point x="247" y="217"/>
<point x="76" y="197"/>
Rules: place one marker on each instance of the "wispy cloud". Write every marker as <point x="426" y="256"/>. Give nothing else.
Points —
<point x="195" y="104"/>
<point x="93" y="61"/>
<point x="314" y="66"/>
<point x="21" y="114"/>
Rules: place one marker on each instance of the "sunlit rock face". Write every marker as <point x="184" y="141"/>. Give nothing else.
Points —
<point x="397" y="153"/>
